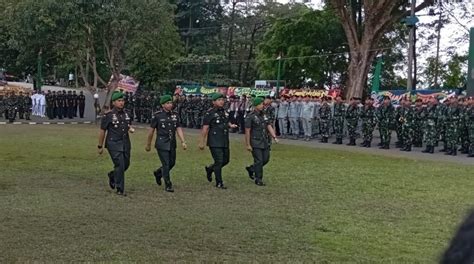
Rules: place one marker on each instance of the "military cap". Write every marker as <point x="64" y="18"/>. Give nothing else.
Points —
<point x="165" y="98"/>
<point x="216" y="96"/>
<point x="117" y="95"/>
<point x="257" y="101"/>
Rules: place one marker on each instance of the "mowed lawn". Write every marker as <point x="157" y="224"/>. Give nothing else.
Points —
<point x="318" y="206"/>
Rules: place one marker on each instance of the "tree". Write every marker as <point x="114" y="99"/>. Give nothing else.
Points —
<point x="365" y="22"/>
<point x="453" y="75"/>
<point x="313" y="41"/>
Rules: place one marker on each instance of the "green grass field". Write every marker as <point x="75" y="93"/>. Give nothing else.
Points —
<point x="318" y="206"/>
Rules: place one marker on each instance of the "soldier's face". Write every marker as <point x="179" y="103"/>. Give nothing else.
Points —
<point x="168" y="106"/>
<point x="259" y="107"/>
<point x="219" y="103"/>
<point x="119" y="103"/>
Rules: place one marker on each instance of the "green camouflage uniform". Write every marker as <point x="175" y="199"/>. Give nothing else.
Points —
<point x="430" y="117"/>
<point x="368" y="123"/>
<point x="339" y="112"/>
<point x="418" y="127"/>
<point x="385" y="116"/>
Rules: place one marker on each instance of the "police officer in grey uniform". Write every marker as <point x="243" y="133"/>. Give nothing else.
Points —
<point x="215" y="131"/>
<point x="257" y="130"/>
<point x="167" y="124"/>
<point x="116" y="124"/>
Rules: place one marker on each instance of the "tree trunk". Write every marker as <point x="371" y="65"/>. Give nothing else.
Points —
<point x="358" y="70"/>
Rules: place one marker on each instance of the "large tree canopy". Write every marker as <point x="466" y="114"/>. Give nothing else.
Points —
<point x="312" y="45"/>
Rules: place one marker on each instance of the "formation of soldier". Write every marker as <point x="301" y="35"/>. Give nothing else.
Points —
<point x="64" y="104"/>
<point x="14" y="105"/>
<point x="429" y="123"/>
<point x="59" y="105"/>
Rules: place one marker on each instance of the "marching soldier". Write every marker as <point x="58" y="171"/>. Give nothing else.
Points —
<point x="167" y="124"/>
<point x="257" y="128"/>
<point x="115" y="128"/>
<point x="215" y="132"/>
<point x="81" y="102"/>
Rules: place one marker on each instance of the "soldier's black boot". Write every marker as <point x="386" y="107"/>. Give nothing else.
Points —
<point x="326" y="139"/>
<point x="158" y="176"/>
<point x="431" y="149"/>
<point x="398" y="144"/>
<point x="408" y="148"/>
<point x="336" y="142"/>
<point x="471" y="153"/>
<point x="111" y="179"/>
<point x="464" y="150"/>
<point x="250" y="172"/>
<point x="445" y="148"/>
<point x="169" y="186"/>
<point x="427" y="149"/>
<point x="208" y="173"/>
<point x="448" y="152"/>
<point x="386" y="146"/>
<point x="363" y="144"/>
<point x="220" y="185"/>
<point x="367" y="145"/>
<point x="454" y="152"/>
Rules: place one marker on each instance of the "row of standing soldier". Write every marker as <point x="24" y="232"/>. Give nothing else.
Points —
<point x="64" y="104"/>
<point x="427" y="123"/>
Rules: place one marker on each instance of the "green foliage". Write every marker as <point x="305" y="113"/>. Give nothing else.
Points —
<point x="453" y="75"/>
<point x="314" y="41"/>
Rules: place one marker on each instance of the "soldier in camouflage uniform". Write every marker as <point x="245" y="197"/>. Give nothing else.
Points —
<point x="470" y="125"/>
<point x="442" y="123"/>
<point x="368" y="121"/>
<point x="398" y="128"/>
<point x="11" y="104"/>
<point x="21" y="106"/>
<point x="2" y="105"/>
<point x="352" y="118"/>
<point x="406" y="117"/>
<point x="196" y="111"/>
<point x="463" y="127"/>
<point x="453" y="118"/>
<point x="418" y="124"/>
<point x="339" y="112"/>
<point x="430" y="119"/>
<point x="324" y="119"/>
<point x="385" y="116"/>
